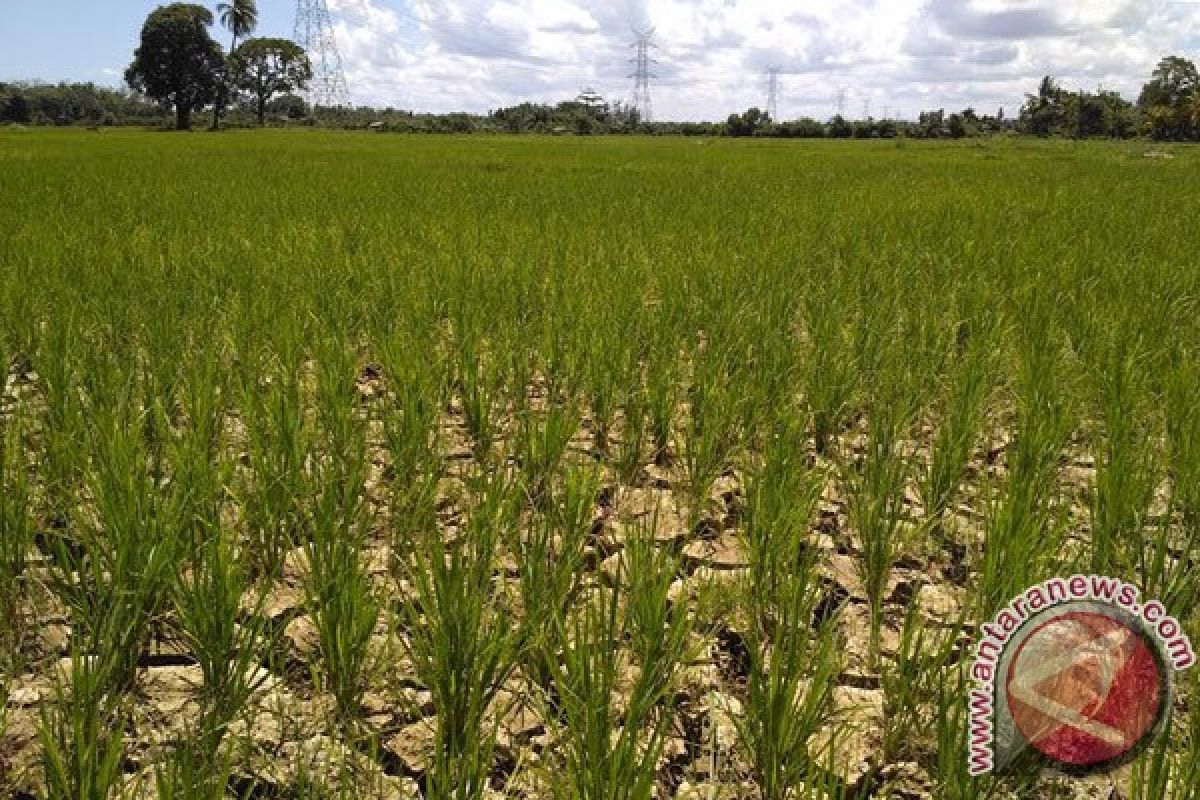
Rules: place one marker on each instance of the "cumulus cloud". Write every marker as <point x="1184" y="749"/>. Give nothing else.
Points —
<point x="712" y="56"/>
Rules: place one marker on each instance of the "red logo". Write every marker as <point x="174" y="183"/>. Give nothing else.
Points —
<point x="1086" y="689"/>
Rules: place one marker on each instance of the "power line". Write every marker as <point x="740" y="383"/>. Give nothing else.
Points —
<point x="773" y="93"/>
<point x="314" y="33"/>
<point x="642" y="75"/>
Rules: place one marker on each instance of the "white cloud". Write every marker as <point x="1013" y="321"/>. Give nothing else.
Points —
<point x="712" y="55"/>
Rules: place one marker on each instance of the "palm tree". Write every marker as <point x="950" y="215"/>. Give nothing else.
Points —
<point x="240" y="18"/>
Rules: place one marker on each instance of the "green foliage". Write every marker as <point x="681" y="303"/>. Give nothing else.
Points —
<point x="1080" y="114"/>
<point x="460" y="638"/>
<point x="177" y="62"/>
<point x="264" y="68"/>
<point x="791" y="666"/>
<point x="1169" y="100"/>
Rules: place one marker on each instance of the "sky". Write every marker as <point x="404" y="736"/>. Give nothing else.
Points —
<point x="894" y="57"/>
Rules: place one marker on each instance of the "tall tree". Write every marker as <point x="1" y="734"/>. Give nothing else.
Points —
<point x="240" y="18"/>
<point x="177" y="62"/>
<point x="1165" y="100"/>
<point x="264" y="68"/>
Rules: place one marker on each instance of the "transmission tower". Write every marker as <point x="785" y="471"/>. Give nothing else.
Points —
<point x="641" y="76"/>
<point x="314" y="33"/>
<point x="841" y="102"/>
<point x="773" y="93"/>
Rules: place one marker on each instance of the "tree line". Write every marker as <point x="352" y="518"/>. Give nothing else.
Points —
<point x="179" y="68"/>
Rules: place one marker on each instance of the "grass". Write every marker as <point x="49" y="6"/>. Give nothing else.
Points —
<point x="489" y="404"/>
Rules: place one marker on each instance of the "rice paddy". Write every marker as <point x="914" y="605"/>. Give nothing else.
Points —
<point x="342" y="465"/>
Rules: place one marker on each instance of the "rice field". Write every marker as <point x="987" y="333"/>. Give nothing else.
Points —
<point x="338" y="465"/>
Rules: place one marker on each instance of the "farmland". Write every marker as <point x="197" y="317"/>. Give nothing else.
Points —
<point x="344" y="465"/>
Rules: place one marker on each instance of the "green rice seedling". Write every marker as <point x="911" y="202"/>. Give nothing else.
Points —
<point x="1183" y="433"/>
<point x="910" y="681"/>
<point x="1170" y="768"/>
<point x="16" y="531"/>
<point x="542" y="441"/>
<point x="64" y="422"/>
<point x="951" y="778"/>
<point x="190" y="774"/>
<point x="280" y="440"/>
<point x="341" y="425"/>
<point x="658" y="629"/>
<point x="550" y="556"/>
<point x="417" y="395"/>
<point x="792" y="665"/>
<point x="662" y="396"/>
<point x="1126" y="463"/>
<point x="80" y="732"/>
<point x="460" y="638"/>
<point x="607" y="754"/>
<point x="829" y="372"/>
<point x="343" y="604"/>
<point x="1164" y="563"/>
<point x="876" y="485"/>
<point x="207" y="598"/>
<point x="632" y="452"/>
<point x="1024" y="528"/>
<point x="117" y="585"/>
<point x="707" y="444"/>
<point x="604" y="366"/>
<point x="479" y="380"/>
<point x="962" y="409"/>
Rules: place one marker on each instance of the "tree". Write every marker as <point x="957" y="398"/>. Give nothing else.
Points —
<point x="1172" y="81"/>
<point x="240" y="18"/>
<point x="1046" y="112"/>
<point x="14" y="107"/>
<point x="931" y="124"/>
<point x="839" y="128"/>
<point x="290" y="106"/>
<point x="177" y="62"/>
<point x="1166" y="99"/>
<point x="264" y="68"/>
<point x="956" y="126"/>
<point x="747" y="124"/>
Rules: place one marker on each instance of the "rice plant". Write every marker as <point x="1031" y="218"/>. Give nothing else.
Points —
<point x="876" y="485"/>
<point x="791" y="664"/>
<point x="1126" y="466"/>
<point x="961" y="417"/>
<point x="16" y="533"/>
<point x="340" y="597"/>
<point x="459" y="638"/>
<point x="80" y="731"/>
<point x="226" y="644"/>
<point x="607" y="751"/>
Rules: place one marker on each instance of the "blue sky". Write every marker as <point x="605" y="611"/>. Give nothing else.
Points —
<point x="898" y="56"/>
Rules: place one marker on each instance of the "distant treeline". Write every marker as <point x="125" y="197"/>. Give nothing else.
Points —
<point x="1168" y="108"/>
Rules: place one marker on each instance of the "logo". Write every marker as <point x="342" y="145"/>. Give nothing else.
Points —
<point x="1074" y="674"/>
